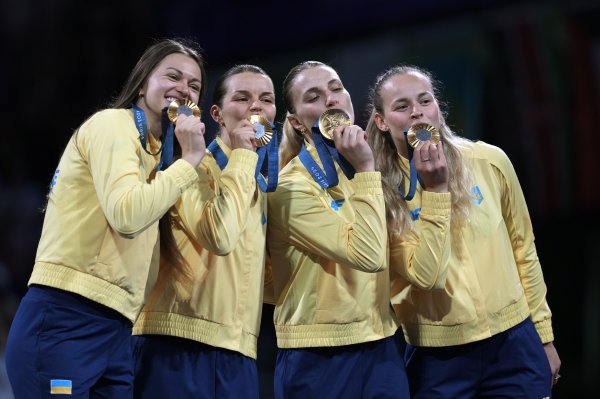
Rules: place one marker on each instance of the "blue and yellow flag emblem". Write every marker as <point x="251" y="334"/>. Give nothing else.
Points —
<point x="61" y="387"/>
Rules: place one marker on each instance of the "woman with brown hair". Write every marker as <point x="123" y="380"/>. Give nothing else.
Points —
<point x="98" y="255"/>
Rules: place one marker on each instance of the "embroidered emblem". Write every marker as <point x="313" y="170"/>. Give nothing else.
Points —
<point x="337" y="204"/>
<point x="61" y="387"/>
<point x="414" y="214"/>
<point x="477" y="194"/>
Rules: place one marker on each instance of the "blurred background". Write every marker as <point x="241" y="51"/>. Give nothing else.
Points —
<point x="522" y="75"/>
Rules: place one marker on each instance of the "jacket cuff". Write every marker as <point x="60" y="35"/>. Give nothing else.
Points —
<point x="544" y="329"/>
<point x="439" y="204"/>
<point x="368" y="183"/>
<point x="243" y="159"/>
<point x="183" y="173"/>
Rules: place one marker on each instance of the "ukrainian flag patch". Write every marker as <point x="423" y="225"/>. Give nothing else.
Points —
<point x="61" y="387"/>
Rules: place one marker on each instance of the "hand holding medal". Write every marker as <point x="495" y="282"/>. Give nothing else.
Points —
<point x="427" y="159"/>
<point x="189" y="131"/>
<point x="355" y="153"/>
<point x="323" y="137"/>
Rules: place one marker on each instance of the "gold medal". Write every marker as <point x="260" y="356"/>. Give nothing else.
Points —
<point x="264" y="131"/>
<point x="177" y="108"/>
<point x="422" y="132"/>
<point x="331" y="119"/>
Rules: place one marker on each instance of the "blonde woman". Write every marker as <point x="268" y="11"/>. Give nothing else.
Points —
<point x="487" y="332"/>
<point x="327" y="240"/>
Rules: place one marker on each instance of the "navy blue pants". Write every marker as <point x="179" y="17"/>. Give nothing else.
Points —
<point x="171" y="367"/>
<point x="512" y="364"/>
<point x="368" y="370"/>
<point x="61" y="343"/>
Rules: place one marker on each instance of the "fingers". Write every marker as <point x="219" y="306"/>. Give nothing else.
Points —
<point x="431" y="166"/>
<point x="189" y="131"/>
<point x="191" y="124"/>
<point x="348" y="137"/>
<point x="429" y="152"/>
<point x="243" y="136"/>
<point x="351" y="143"/>
<point x="424" y="152"/>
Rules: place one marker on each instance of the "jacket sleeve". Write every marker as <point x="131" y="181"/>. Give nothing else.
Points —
<point x="129" y="201"/>
<point x="214" y="211"/>
<point x="311" y="224"/>
<point x="421" y="256"/>
<point x="518" y="223"/>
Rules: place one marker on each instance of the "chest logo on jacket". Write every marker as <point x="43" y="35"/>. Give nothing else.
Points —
<point x="414" y="214"/>
<point x="478" y="196"/>
<point x="337" y="204"/>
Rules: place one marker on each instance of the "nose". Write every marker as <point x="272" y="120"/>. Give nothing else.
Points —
<point x="184" y="89"/>
<point x="416" y="112"/>
<point x="331" y="100"/>
<point x="256" y="106"/>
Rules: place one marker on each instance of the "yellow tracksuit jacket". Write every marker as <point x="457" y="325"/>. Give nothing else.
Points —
<point x="493" y="280"/>
<point x="326" y="248"/>
<point x="100" y="233"/>
<point x="220" y="230"/>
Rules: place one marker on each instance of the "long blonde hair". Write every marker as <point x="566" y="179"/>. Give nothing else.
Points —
<point x="387" y="162"/>
<point x="292" y="139"/>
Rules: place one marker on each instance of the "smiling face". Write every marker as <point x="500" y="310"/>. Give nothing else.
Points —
<point x="406" y="99"/>
<point x="315" y="90"/>
<point x="246" y="93"/>
<point x="176" y="77"/>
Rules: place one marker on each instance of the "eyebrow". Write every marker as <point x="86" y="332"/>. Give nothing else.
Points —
<point x="420" y="95"/>
<point x="315" y="88"/>
<point x="246" y="92"/>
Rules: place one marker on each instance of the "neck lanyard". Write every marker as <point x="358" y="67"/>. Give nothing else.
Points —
<point x="412" y="188"/>
<point x="166" y="148"/>
<point x="327" y="154"/>
<point x="325" y="178"/>
<point x="269" y="151"/>
<point x="346" y="167"/>
<point x="218" y="154"/>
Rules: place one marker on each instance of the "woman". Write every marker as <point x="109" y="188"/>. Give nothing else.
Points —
<point x="200" y="340"/>
<point x="334" y="324"/>
<point x="98" y="253"/>
<point x="488" y="332"/>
